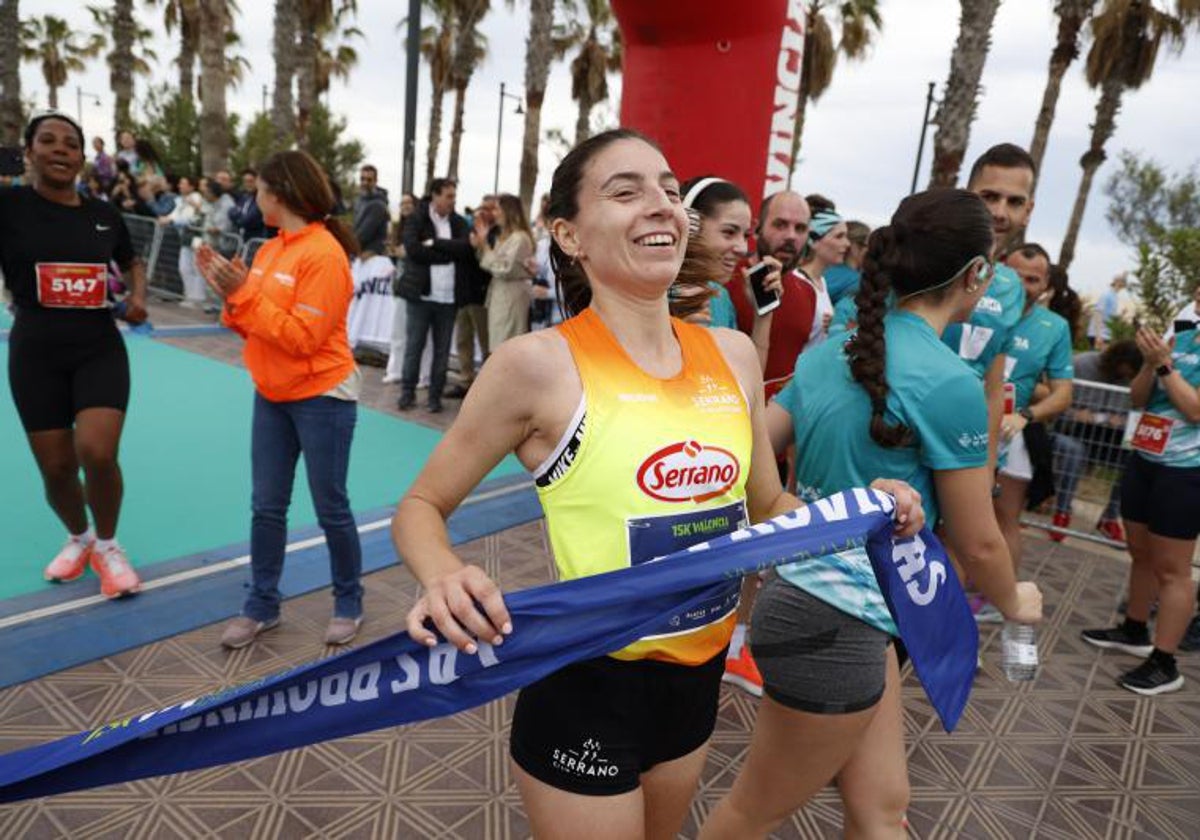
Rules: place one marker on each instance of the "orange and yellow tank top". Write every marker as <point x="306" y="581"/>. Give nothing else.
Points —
<point x="658" y="465"/>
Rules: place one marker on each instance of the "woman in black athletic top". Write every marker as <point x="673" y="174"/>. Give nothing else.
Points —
<point x="67" y="364"/>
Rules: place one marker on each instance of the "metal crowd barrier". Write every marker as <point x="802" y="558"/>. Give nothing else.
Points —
<point x="250" y="248"/>
<point x="1089" y="458"/>
<point x="160" y="246"/>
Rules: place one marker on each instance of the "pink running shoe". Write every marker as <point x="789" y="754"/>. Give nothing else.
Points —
<point x="71" y="561"/>
<point x="117" y="577"/>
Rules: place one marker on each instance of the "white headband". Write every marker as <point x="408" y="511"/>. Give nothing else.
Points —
<point x="699" y="187"/>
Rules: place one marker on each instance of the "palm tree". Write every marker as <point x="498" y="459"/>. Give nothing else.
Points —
<point x="1126" y="36"/>
<point x="470" y="47"/>
<point x="60" y="50"/>
<point x="10" y="73"/>
<point x="184" y="15"/>
<point x="860" y="23"/>
<point x="437" y="48"/>
<point x="315" y="18"/>
<point x="336" y="57"/>
<point x="957" y="109"/>
<point x="547" y="42"/>
<point x="123" y="62"/>
<point x="283" y="117"/>
<point x="590" y="68"/>
<point x="214" y="128"/>
<point x="1072" y="14"/>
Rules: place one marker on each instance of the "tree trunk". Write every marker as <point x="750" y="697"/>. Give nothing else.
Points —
<point x="456" y="130"/>
<point x="188" y="37"/>
<point x="306" y="82"/>
<point x="10" y="74"/>
<point x="437" y="106"/>
<point x="957" y="111"/>
<point x="802" y="96"/>
<point x="120" y="67"/>
<point x="214" y="126"/>
<point x="583" y="121"/>
<point x="1102" y="129"/>
<point x="1071" y="17"/>
<point x="54" y="96"/>
<point x="283" y="117"/>
<point x="539" y="53"/>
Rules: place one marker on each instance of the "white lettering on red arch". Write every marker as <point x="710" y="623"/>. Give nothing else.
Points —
<point x="688" y="471"/>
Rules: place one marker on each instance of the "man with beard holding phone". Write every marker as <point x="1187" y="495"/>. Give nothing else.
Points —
<point x="782" y="231"/>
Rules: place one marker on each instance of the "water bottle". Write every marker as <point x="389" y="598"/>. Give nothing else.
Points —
<point x="1019" y="651"/>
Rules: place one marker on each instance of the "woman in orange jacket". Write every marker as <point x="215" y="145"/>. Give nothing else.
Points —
<point x="291" y="308"/>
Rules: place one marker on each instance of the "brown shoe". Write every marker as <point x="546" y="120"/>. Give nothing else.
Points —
<point x="341" y="631"/>
<point x="242" y="630"/>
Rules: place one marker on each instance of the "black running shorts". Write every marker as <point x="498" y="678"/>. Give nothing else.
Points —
<point x="595" y="726"/>
<point x="53" y="377"/>
<point x="1164" y="499"/>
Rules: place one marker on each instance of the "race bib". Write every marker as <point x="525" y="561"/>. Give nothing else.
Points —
<point x="1152" y="433"/>
<point x="973" y="340"/>
<point x="652" y="537"/>
<point x="72" y="285"/>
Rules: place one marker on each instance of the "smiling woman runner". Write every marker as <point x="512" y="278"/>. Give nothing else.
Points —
<point x="626" y="418"/>
<point x="67" y="364"/>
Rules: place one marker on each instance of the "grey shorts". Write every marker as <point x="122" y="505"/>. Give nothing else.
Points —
<point x="814" y="657"/>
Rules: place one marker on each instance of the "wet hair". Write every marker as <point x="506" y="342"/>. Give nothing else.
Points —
<point x="1120" y="353"/>
<point x="932" y="235"/>
<point x="303" y="187"/>
<point x="1003" y="156"/>
<point x="514" y="214"/>
<point x="1064" y="301"/>
<point x="575" y="291"/>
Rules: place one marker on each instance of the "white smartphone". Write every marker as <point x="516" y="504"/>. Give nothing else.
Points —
<point x="764" y="301"/>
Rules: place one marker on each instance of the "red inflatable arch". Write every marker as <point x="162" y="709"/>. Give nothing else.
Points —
<point x="715" y="83"/>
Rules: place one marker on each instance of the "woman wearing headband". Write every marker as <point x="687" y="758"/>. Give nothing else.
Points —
<point x="828" y="243"/>
<point x="719" y="226"/>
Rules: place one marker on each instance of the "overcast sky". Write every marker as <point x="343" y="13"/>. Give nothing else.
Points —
<point x="859" y="142"/>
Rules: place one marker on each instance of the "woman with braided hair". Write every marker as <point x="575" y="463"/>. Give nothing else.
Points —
<point x="893" y="400"/>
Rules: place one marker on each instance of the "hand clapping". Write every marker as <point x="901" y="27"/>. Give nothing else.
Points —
<point x="223" y="276"/>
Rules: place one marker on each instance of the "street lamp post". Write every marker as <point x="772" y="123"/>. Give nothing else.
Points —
<point x="929" y="100"/>
<point x="79" y="94"/>
<point x="500" y="131"/>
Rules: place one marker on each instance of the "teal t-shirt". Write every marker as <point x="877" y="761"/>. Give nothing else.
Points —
<point x="1041" y="342"/>
<point x="720" y="308"/>
<point x="841" y="281"/>
<point x="1183" y="443"/>
<point x="845" y="314"/>
<point x="931" y="391"/>
<point x="988" y="331"/>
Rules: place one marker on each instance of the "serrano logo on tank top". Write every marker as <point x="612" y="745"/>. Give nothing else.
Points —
<point x="688" y="472"/>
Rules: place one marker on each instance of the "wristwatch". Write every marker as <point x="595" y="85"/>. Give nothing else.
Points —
<point x="1163" y="370"/>
<point x="1027" y="414"/>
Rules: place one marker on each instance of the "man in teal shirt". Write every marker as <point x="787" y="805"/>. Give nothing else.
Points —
<point x="1040" y="345"/>
<point x="1003" y="177"/>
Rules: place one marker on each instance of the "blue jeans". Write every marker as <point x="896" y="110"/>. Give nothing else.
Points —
<point x="423" y="316"/>
<point x="321" y="428"/>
